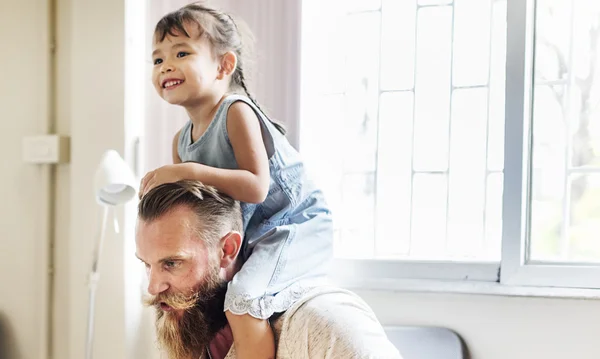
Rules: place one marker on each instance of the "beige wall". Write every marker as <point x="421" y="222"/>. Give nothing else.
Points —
<point x="92" y="101"/>
<point x="90" y="93"/>
<point x="90" y="107"/>
<point x="62" y="314"/>
<point x="497" y="327"/>
<point x="24" y="188"/>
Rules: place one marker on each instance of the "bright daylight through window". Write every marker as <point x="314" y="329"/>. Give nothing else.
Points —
<point x="403" y="125"/>
<point x="566" y="127"/>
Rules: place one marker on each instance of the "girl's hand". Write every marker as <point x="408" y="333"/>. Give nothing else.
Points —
<point x="164" y="174"/>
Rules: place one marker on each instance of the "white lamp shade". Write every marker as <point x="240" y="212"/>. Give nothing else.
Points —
<point x="114" y="182"/>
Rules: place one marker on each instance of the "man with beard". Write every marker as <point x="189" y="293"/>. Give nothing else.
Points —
<point x="189" y="237"/>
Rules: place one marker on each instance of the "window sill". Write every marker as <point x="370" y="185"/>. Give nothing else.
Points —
<point x="462" y="287"/>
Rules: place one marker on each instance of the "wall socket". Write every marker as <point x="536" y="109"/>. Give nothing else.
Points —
<point x="46" y="149"/>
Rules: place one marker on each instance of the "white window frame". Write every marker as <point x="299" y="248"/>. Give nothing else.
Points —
<point x="516" y="268"/>
<point x="514" y="274"/>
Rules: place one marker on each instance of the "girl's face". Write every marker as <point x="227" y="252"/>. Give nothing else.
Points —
<point x="185" y="68"/>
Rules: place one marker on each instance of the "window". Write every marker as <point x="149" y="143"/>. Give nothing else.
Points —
<point x="430" y="169"/>
<point x="551" y="199"/>
<point x="566" y="148"/>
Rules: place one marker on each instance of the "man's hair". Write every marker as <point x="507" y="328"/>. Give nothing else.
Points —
<point x="217" y="213"/>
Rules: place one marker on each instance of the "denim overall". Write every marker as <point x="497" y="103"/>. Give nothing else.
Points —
<point x="288" y="238"/>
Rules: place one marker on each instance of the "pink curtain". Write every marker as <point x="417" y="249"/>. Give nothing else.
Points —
<point x="275" y="81"/>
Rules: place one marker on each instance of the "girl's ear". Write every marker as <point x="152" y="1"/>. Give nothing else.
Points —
<point x="228" y="65"/>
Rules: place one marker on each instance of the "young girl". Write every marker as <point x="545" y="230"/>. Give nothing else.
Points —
<point x="200" y="63"/>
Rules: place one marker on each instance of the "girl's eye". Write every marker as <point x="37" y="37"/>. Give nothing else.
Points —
<point x="182" y="54"/>
<point x="157" y="61"/>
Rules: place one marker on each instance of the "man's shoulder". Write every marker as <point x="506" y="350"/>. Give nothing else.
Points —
<point x="307" y="307"/>
<point x="331" y="322"/>
<point x="322" y="302"/>
<point x="323" y="297"/>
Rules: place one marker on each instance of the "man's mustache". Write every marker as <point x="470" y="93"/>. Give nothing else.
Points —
<point x="177" y="301"/>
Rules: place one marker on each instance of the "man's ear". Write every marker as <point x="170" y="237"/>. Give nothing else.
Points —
<point x="228" y="65"/>
<point x="230" y="248"/>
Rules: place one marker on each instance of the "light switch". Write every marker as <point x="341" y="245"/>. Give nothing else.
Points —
<point x="46" y="149"/>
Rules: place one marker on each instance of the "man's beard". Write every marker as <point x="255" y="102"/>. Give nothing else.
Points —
<point x="186" y="335"/>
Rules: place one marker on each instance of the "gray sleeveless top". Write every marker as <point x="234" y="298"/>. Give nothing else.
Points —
<point x="291" y="194"/>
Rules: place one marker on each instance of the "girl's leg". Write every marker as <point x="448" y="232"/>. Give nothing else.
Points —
<point x="275" y="275"/>
<point x="252" y="337"/>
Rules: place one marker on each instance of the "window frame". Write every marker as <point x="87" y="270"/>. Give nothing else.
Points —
<point x="516" y="268"/>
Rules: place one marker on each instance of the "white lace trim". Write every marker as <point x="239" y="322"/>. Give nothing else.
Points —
<point x="264" y="307"/>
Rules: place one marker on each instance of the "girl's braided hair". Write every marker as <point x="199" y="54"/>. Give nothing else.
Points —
<point x="223" y="34"/>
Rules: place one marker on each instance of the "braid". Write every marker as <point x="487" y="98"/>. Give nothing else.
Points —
<point x="240" y="78"/>
<point x="232" y="21"/>
<point x="224" y="34"/>
<point x="242" y="82"/>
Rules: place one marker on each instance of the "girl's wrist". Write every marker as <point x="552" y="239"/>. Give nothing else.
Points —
<point x="188" y="171"/>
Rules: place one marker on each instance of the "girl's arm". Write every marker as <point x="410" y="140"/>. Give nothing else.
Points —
<point x="249" y="183"/>
<point x="253" y="338"/>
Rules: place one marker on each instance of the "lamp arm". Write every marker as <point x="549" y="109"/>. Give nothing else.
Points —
<point x="93" y="283"/>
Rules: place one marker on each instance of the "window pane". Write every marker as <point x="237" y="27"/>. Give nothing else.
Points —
<point x="428" y="237"/>
<point x="467" y="173"/>
<point x="584" y="126"/>
<point x="323" y="33"/>
<point x="357" y="214"/>
<point x="546" y="215"/>
<point x="580" y="228"/>
<point x="584" y="218"/>
<point x="497" y="78"/>
<point x="493" y="217"/>
<point x="471" y="42"/>
<point x="361" y="5"/>
<point x="362" y="91"/>
<point x="321" y="129"/>
<point x="548" y="174"/>
<point x="394" y="174"/>
<point x="550" y="132"/>
<point x="554" y="19"/>
<point x="433" y="88"/>
<point x="566" y="132"/>
<point x="434" y="2"/>
<point x="584" y="94"/>
<point x="398" y="45"/>
<point x="412" y="165"/>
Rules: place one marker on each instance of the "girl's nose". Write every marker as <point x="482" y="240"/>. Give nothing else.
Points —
<point x="166" y="67"/>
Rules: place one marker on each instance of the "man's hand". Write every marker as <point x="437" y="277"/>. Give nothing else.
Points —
<point x="164" y="174"/>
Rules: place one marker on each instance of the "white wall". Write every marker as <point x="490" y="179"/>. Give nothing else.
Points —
<point x="91" y="88"/>
<point x="24" y="188"/>
<point x="496" y="327"/>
